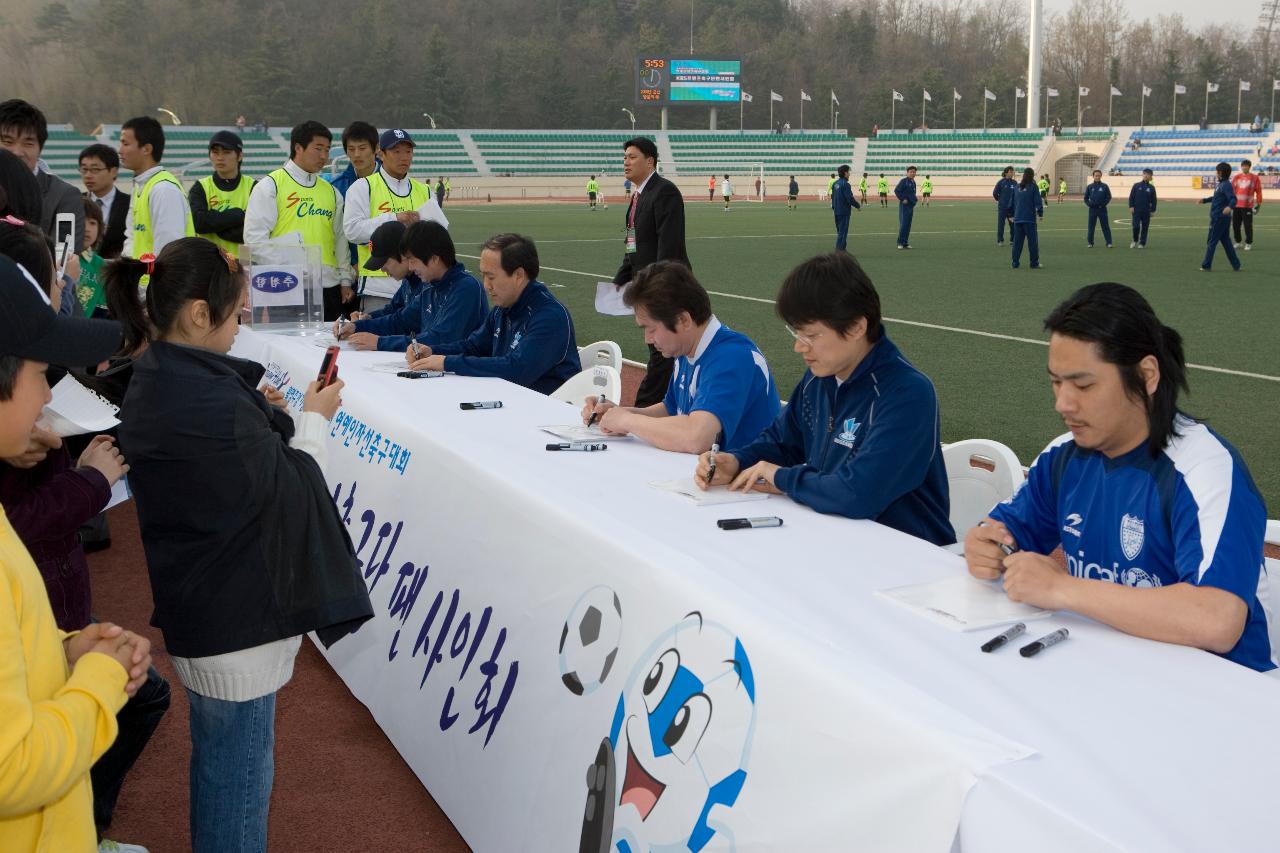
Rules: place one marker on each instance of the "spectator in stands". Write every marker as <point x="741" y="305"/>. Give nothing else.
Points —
<point x="99" y="168"/>
<point x="24" y="132"/>
<point x="386" y="195"/>
<point x="882" y="459"/>
<point x="527" y="337"/>
<point x="655" y="232"/>
<point x="1160" y="521"/>
<point x="448" y="305"/>
<point x="158" y="211"/>
<point x="1204" y="122"/>
<point x="842" y="205"/>
<point x="89" y="292"/>
<point x="875" y="131"/>
<point x="1096" y="197"/>
<point x="1057" y="126"/>
<point x="317" y="216"/>
<point x="209" y="455"/>
<point x="731" y="399"/>
<point x="1026" y="207"/>
<point x="905" y="192"/>
<point x="61" y="693"/>
<point x="1142" y="206"/>
<point x="1248" y="190"/>
<point x="1002" y="193"/>
<point x="1221" y="205"/>
<point x="218" y="202"/>
<point x="19" y="190"/>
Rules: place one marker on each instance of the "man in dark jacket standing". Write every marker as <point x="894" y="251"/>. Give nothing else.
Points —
<point x="843" y="204"/>
<point x="1003" y="213"/>
<point x="655" y="232"/>
<point x="24" y="131"/>
<point x="1097" y="196"/>
<point x="905" y="192"/>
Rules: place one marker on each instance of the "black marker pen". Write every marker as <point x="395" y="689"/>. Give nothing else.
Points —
<point x="578" y="445"/>
<point x="1033" y="649"/>
<point x="485" y="404"/>
<point x="745" y="523"/>
<point x="1000" y="639"/>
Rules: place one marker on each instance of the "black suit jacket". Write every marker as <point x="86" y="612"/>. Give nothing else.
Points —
<point x="659" y="229"/>
<point x="113" y="238"/>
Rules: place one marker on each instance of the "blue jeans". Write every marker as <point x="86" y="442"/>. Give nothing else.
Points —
<point x="232" y="766"/>
<point x="1098" y="216"/>
<point x="1220" y="232"/>
<point x="1141" y="224"/>
<point x="1002" y="216"/>
<point x="905" y="212"/>
<point x="1026" y="231"/>
<point x="842" y="230"/>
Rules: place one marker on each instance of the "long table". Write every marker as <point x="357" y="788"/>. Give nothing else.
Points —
<point x="565" y="654"/>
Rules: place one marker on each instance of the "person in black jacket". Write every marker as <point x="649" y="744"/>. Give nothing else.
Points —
<point x="655" y="232"/>
<point x="24" y="131"/>
<point x="99" y="168"/>
<point x="245" y="548"/>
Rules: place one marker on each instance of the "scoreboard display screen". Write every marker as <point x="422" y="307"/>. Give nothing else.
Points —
<point x="662" y="80"/>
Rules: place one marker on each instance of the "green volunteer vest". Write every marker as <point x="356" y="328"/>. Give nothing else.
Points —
<point x="308" y="211"/>
<point x="223" y="200"/>
<point x="926" y="187"/>
<point x="143" y="235"/>
<point x="862" y="186"/>
<point x="593" y="187"/>
<point x="383" y="200"/>
<point x="882" y="186"/>
<point x="1043" y="185"/>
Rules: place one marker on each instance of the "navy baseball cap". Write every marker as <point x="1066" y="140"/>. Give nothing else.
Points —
<point x="393" y="137"/>
<point x="384" y="244"/>
<point x="34" y="332"/>
<point x="226" y="139"/>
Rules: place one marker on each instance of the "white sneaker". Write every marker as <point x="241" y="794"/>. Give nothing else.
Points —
<point x="106" y="845"/>
<point x="1133" y="245"/>
<point x="1248" y="247"/>
<point x="1142" y="245"/>
<point x="1239" y="245"/>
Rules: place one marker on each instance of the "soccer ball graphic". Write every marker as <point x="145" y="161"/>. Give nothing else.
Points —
<point x="589" y="640"/>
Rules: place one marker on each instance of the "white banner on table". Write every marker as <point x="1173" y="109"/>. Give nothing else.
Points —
<point x="559" y="679"/>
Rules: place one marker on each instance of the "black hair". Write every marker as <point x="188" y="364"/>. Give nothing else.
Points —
<point x="357" y="131"/>
<point x="831" y="289"/>
<point x="843" y="172"/>
<point x="108" y="155"/>
<point x="1097" y="172"/>
<point x="644" y="145"/>
<point x="29" y="246"/>
<point x="1006" y="170"/>
<point x="18" y="115"/>
<point x="1123" y="326"/>
<point x="10" y="365"/>
<point x="20" y="194"/>
<point x="1224" y="170"/>
<point x="1148" y="172"/>
<point x="666" y="289"/>
<point x="147" y="131"/>
<point x="188" y="268"/>
<point x="515" y="252"/>
<point x="426" y="240"/>
<point x="93" y="211"/>
<point x="912" y="169"/>
<point x="1028" y="178"/>
<point x="1247" y="162"/>
<point x="305" y="133"/>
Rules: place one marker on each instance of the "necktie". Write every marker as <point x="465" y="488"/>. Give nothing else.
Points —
<point x="631" y="214"/>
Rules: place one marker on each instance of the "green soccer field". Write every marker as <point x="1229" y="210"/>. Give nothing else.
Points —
<point x="953" y="304"/>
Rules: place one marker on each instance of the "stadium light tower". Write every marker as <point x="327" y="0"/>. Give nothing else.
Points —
<point x="1034" y="40"/>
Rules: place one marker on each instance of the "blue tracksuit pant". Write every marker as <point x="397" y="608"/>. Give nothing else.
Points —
<point x="1026" y="231"/>
<point x="1098" y="215"/>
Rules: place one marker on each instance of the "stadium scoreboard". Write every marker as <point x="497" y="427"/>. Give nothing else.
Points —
<point x="662" y="80"/>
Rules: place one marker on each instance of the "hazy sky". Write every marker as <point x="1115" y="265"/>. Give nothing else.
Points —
<point x="1194" y="12"/>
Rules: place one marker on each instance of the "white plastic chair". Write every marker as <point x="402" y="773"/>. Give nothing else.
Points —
<point x="601" y="353"/>
<point x="980" y="473"/>
<point x="591" y="382"/>
<point x="1272" y="536"/>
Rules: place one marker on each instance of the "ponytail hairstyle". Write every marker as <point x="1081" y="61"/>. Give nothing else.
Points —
<point x="1028" y="178"/>
<point x="25" y="244"/>
<point x="1120" y="322"/>
<point x="188" y="269"/>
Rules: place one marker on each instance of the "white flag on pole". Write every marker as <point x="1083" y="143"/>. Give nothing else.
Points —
<point x="1275" y="85"/>
<point x="1245" y="86"/>
<point x="1146" y="91"/>
<point x="988" y="94"/>
<point x="1179" y="89"/>
<point x="774" y="96"/>
<point x="804" y="96"/>
<point x="1052" y="92"/>
<point x="1211" y="87"/>
<point x="746" y="96"/>
<point x="955" y="96"/>
<point x="1115" y="93"/>
<point x="1018" y="93"/>
<point x="927" y="96"/>
<point x="897" y="96"/>
<point x="1084" y="91"/>
<point x="834" y="99"/>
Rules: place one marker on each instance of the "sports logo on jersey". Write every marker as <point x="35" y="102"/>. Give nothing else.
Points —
<point x="849" y="434"/>
<point x="293" y="199"/>
<point x="515" y="340"/>
<point x="385" y="207"/>
<point x="1072" y="526"/>
<point x="1132" y="535"/>
<point x="1139" y="578"/>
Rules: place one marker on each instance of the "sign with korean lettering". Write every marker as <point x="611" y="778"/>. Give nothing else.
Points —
<point x="275" y="286"/>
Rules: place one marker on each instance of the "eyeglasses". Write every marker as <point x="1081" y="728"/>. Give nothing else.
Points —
<point x="804" y="340"/>
<point x="92" y="170"/>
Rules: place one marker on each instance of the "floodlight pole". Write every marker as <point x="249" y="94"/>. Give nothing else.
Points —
<point x="1034" y="41"/>
<point x="630" y="115"/>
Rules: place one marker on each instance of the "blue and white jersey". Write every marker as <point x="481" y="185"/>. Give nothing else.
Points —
<point x="728" y="377"/>
<point x="1190" y="515"/>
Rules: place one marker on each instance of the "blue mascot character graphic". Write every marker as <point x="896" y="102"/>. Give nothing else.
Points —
<point x="675" y="760"/>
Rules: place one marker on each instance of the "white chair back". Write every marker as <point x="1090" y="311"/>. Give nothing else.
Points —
<point x="601" y="353"/>
<point x="1269" y="598"/>
<point x="980" y="473"/>
<point x="1272" y="536"/>
<point x="591" y="382"/>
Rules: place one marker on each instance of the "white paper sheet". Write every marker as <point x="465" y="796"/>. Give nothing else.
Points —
<point x="119" y="493"/>
<point x="392" y="367"/>
<point x="688" y="489"/>
<point x="582" y="432"/>
<point x="609" y="300"/>
<point x="75" y="410"/>
<point x="963" y="603"/>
